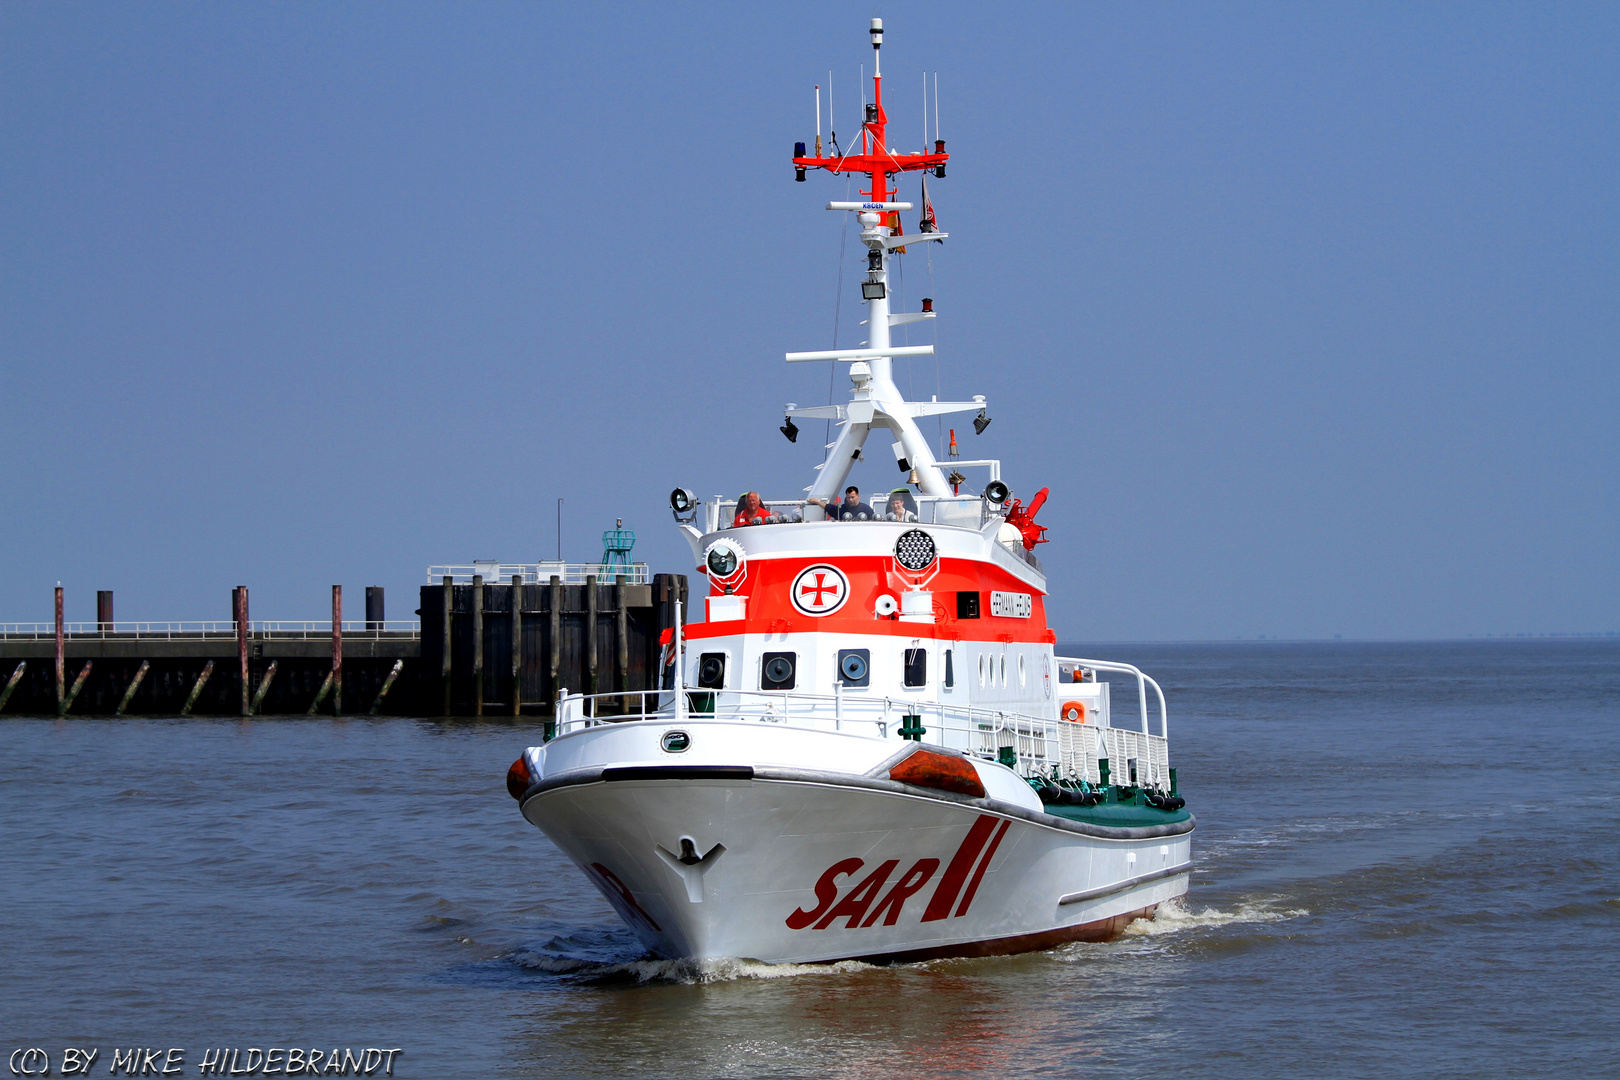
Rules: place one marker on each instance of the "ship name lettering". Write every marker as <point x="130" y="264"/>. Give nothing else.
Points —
<point x="1011" y="605"/>
<point x="961" y="879"/>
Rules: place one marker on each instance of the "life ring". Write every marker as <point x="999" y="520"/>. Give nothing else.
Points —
<point x="1074" y="712"/>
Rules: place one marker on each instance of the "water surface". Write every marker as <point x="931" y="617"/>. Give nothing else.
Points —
<point x="1406" y="865"/>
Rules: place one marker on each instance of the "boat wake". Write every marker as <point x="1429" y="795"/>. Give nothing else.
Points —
<point x="1174" y="917"/>
<point x="556" y="957"/>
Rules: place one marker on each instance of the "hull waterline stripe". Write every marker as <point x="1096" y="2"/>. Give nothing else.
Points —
<point x="1100" y="930"/>
<point x="1121" y="886"/>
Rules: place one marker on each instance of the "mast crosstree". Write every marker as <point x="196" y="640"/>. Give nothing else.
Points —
<point x="875" y="400"/>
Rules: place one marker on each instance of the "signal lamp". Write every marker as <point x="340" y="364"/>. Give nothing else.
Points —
<point x="684" y="503"/>
<point x="722" y="561"/>
<point x="798" y="174"/>
<point x="980" y="422"/>
<point x="798" y="149"/>
<point x="995" y="493"/>
<point x="874" y="260"/>
<point x="928" y="303"/>
<point x="790" y="429"/>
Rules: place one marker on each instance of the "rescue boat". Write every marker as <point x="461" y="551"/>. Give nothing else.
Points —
<point x="867" y="748"/>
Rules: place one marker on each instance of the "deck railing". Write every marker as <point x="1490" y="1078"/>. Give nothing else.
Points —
<point x="1042" y="746"/>
<point x="959" y="511"/>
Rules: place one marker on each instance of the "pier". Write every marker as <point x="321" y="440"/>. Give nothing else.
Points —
<point x="489" y="639"/>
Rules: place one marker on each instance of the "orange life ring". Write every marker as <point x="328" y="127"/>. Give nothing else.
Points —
<point x="1074" y="712"/>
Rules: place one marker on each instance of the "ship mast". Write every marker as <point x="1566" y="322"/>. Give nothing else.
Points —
<point x="875" y="400"/>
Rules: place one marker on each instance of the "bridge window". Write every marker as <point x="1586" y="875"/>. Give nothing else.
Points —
<point x="916" y="667"/>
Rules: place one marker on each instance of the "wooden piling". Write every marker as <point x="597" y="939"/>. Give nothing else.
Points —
<point x="337" y="650"/>
<point x="78" y="684"/>
<point x="387" y="685"/>
<point x="449" y="609"/>
<point x="61" y="656"/>
<point x="104" y="611"/>
<point x="478" y="644"/>
<point x="264" y="688"/>
<point x="208" y="669"/>
<point x="239" y="613"/>
<point x="555" y="600"/>
<point x="134" y="685"/>
<point x="590" y="634"/>
<point x="320" y="695"/>
<point x="517" y="644"/>
<point x="11" y="684"/>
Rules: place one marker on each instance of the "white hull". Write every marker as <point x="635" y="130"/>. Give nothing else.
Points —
<point x="923" y="873"/>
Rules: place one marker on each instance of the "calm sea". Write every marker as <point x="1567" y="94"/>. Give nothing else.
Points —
<point x="1407" y="865"/>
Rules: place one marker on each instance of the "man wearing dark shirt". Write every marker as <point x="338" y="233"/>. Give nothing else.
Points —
<point x="851" y="509"/>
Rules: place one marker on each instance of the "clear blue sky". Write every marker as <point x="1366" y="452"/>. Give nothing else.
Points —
<point x="1307" y="314"/>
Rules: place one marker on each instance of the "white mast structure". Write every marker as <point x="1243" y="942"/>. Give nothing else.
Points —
<point x="875" y="400"/>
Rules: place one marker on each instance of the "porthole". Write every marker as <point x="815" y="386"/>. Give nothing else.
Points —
<point x="1021" y="682"/>
<point x="981" y="669"/>
<point x="1004" y="671"/>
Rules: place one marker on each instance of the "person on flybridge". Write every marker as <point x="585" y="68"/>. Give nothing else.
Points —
<point x="851" y="509"/>
<point x="901" y="506"/>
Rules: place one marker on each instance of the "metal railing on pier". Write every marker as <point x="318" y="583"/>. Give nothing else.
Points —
<point x="202" y="631"/>
<point x="495" y="573"/>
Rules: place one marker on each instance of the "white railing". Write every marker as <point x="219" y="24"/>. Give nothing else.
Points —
<point x="1143" y="681"/>
<point x="226" y="628"/>
<point x="1042" y="746"/>
<point x="962" y="511"/>
<point x="541" y="573"/>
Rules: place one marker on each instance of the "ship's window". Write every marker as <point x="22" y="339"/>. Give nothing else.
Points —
<point x="776" y="670"/>
<point x="967" y="605"/>
<point x="1004" y="671"/>
<point x="711" y="673"/>
<point x="1021" y="681"/>
<point x="981" y="669"/>
<point x="950" y="671"/>
<point x="855" y="667"/>
<point x="916" y="667"/>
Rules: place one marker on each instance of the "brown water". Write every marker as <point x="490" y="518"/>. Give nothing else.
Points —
<point x="1407" y="865"/>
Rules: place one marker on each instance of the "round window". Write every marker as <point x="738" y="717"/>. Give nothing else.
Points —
<point x="853" y="666"/>
<point x="981" y="669"/>
<point x="1021" y="682"/>
<point x="1003" y="671"/>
